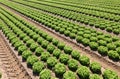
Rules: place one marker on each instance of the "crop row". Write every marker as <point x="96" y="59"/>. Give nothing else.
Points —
<point x="105" y="44"/>
<point x="109" y="26"/>
<point x="79" y="10"/>
<point x="104" y="4"/>
<point x="37" y="48"/>
<point x="94" y="5"/>
<point x="112" y="6"/>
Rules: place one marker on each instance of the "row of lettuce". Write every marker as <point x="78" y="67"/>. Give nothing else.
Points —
<point x="105" y="44"/>
<point x="95" y="4"/>
<point x="45" y="54"/>
<point x="85" y="11"/>
<point x="113" y="5"/>
<point x="109" y="26"/>
<point x="102" y="6"/>
<point x="105" y="4"/>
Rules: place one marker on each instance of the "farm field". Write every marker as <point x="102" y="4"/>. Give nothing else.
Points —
<point x="59" y="39"/>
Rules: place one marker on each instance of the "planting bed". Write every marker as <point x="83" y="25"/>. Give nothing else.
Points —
<point x="51" y="47"/>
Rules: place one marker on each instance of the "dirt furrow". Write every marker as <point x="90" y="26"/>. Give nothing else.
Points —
<point x="12" y="66"/>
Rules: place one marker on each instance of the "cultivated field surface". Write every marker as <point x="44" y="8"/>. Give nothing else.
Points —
<point x="59" y="39"/>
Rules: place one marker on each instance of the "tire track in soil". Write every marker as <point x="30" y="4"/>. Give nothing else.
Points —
<point x="94" y="56"/>
<point x="2" y="71"/>
<point x="12" y="66"/>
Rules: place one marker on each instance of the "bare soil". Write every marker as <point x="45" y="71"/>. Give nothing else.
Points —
<point x="10" y="66"/>
<point x="2" y="71"/>
<point x="105" y="62"/>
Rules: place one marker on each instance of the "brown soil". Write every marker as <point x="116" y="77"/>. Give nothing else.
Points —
<point x="2" y="71"/>
<point x="20" y="70"/>
<point x="105" y="62"/>
<point x="11" y="66"/>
